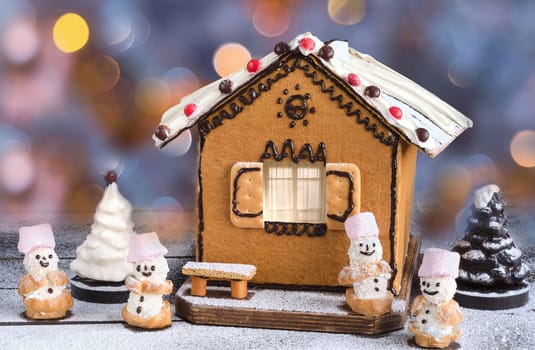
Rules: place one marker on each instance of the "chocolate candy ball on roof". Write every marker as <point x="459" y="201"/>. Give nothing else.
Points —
<point x="489" y="257"/>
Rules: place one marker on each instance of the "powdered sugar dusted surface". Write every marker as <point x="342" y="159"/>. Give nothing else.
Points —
<point x="242" y="271"/>
<point x="12" y="312"/>
<point x="270" y="299"/>
<point x="99" y="326"/>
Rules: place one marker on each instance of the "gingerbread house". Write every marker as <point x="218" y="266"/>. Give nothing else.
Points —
<point x="294" y="143"/>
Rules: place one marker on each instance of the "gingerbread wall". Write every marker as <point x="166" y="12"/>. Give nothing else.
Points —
<point x="298" y="259"/>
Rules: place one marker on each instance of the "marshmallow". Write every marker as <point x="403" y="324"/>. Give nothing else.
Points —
<point x="31" y="237"/>
<point x="361" y="225"/>
<point x="439" y="263"/>
<point x="145" y="246"/>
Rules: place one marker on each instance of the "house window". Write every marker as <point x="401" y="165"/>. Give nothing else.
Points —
<point x="294" y="192"/>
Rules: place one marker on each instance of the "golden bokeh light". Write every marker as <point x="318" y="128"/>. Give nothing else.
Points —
<point x="101" y="72"/>
<point x="346" y="12"/>
<point x="454" y="183"/>
<point x="271" y="18"/>
<point x="523" y="148"/>
<point x="152" y="96"/>
<point x="71" y="32"/>
<point x="230" y="57"/>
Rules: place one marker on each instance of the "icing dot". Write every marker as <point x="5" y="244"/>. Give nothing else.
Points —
<point x="190" y="109"/>
<point x="305" y="122"/>
<point x="395" y="112"/>
<point x="138" y="310"/>
<point x="50" y="290"/>
<point x="110" y="177"/>
<point x="225" y="86"/>
<point x="326" y="52"/>
<point x="285" y="91"/>
<point x="424" y="321"/>
<point x="422" y="134"/>
<point x="376" y="289"/>
<point x="307" y="44"/>
<point x="279" y="100"/>
<point x="372" y="91"/>
<point x="253" y="65"/>
<point x="279" y="115"/>
<point x="292" y="124"/>
<point x="281" y="48"/>
<point x="376" y="280"/>
<point x="162" y="132"/>
<point x="353" y="79"/>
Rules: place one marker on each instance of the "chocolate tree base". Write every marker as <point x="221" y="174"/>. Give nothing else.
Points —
<point x="99" y="291"/>
<point x="492" y="299"/>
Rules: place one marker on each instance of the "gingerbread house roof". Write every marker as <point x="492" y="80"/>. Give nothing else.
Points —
<point x="413" y="112"/>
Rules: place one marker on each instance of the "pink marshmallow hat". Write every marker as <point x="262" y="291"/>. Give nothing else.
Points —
<point x="361" y="225"/>
<point x="31" y="237"/>
<point x="439" y="263"/>
<point x="145" y="246"/>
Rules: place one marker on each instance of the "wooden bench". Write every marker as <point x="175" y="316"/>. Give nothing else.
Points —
<point x="237" y="274"/>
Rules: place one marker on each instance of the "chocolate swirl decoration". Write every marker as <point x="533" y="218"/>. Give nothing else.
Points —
<point x="296" y="107"/>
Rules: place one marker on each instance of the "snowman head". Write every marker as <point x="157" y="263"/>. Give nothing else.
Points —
<point x="37" y="244"/>
<point x="437" y="274"/>
<point x="438" y="289"/>
<point x="366" y="249"/>
<point x="363" y="232"/>
<point x="154" y="269"/>
<point x="41" y="260"/>
<point x="147" y="254"/>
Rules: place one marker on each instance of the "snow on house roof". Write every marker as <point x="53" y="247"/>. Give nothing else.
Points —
<point x="413" y="112"/>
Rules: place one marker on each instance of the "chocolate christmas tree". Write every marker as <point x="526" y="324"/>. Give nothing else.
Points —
<point x="489" y="256"/>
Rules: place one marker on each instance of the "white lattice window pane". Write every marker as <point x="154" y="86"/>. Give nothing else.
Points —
<point x="294" y="192"/>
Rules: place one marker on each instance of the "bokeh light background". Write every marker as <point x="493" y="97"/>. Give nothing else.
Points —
<point x="83" y="85"/>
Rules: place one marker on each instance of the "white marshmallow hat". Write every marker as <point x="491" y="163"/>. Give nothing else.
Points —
<point x="145" y="246"/>
<point x="31" y="237"/>
<point x="439" y="263"/>
<point x="361" y="225"/>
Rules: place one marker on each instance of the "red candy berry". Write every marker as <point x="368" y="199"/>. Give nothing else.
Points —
<point x="307" y="44"/>
<point x="353" y="79"/>
<point x="190" y="109"/>
<point x="253" y="65"/>
<point x="396" y="112"/>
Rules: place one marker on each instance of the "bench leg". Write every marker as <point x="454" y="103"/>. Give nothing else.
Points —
<point x="238" y="289"/>
<point x="198" y="286"/>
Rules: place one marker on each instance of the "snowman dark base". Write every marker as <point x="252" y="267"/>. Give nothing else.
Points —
<point x="100" y="292"/>
<point x="492" y="299"/>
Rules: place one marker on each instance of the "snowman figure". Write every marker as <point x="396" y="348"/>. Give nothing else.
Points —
<point x="367" y="274"/>
<point x="43" y="287"/>
<point x="146" y="307"/>
<point x="435" y="313"/>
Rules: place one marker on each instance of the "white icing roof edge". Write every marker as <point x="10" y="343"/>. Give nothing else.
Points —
<point x="420" y="108"/>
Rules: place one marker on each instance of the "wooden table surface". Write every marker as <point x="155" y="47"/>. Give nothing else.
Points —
<point x="97" y="326"/>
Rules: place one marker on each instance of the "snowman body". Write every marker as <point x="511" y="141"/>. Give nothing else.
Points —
<point x="43" y="287"/>
<point x="435" y="315"/>
<point x="372" y="287"/>
<point x="368" y="276"/>
<point x="371" y="273"/>
<point x="145" y="307"/>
